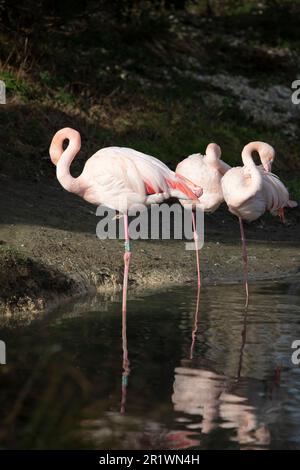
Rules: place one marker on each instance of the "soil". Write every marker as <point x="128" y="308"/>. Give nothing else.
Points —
<point x="49" y="251"/>
<point x="166" y="85"/>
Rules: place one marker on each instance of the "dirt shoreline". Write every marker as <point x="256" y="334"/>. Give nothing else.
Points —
<point x="49" y="252"/>
<point x="56" y="271"/>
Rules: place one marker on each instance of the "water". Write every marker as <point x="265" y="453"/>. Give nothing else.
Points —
<point x="223" y="381"/>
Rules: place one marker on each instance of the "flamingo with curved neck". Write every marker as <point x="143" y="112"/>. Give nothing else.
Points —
<point x="251" y="190"/>
<point x="119" y="178"/>
<point x="265" y="151"/>
<point x="63" y="159"/>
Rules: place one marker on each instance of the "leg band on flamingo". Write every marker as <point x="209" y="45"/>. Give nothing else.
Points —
<point x="127" y="246"/>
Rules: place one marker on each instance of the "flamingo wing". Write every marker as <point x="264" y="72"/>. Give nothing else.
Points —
<point x="276" y="193"/>
<point x="119" y="177"/>
<point x="197" y="170"/>
<point x="157" y="177"/>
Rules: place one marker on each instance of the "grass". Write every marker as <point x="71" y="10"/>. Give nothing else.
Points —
<point x="16" y="85"/>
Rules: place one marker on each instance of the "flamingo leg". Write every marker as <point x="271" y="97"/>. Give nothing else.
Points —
<point x="196" y="246"/>
<point x="127" y="257"/>
<point x="245" y="260"/>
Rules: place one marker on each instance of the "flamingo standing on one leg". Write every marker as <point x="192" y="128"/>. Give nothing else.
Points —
<point x="118" y="178"/>
<point x="205" y="171"/>
<point x="251" y="190"/>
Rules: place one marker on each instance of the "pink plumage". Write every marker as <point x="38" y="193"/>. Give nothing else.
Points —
<point x="205" y="171"/>
<point x="116" y="177"/>
<point x="251" y="190"/>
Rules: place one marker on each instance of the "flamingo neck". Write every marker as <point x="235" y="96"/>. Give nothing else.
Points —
<point x="247" y="154"/>
<point x="213" y="155"/>
<point x="265" y="151"/>
<point x="63" y="158"/>
<point x="251" y="169"/>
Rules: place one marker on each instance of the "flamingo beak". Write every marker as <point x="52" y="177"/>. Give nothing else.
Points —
<point x="267" y="166"/>
<point x="198" y="191"/>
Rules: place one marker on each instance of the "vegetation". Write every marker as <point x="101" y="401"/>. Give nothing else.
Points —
<point x="145" y="74"/>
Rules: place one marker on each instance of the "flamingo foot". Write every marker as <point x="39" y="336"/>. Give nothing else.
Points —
<point x="281" y="215"/>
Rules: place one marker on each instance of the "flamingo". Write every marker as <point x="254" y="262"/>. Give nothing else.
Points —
<point x="251" y="190"/>
<point x="205" y="171"/>
<point x="118" y="178"/>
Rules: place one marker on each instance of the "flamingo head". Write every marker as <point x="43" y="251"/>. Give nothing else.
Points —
<point x="265" y="151"/>
<point x="267" y="157"/>
<point x="56" y="148"/>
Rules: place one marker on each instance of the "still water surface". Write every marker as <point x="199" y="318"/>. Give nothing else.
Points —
<point x="219" y="378"/>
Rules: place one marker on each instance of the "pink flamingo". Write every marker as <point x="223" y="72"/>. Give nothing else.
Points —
<point x="251" y="190"/>
<point x="118" y="178"/>
<point x="205" y="171"/>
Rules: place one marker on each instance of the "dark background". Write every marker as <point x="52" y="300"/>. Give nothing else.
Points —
<point x="164" y="77"/>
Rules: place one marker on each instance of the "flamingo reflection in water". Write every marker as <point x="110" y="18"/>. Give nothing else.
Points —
<point x="218" y="401"/>
<point x="172" y="439"/>
<point x="126" y="363"/>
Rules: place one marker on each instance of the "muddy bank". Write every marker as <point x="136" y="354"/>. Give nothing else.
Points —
<point x="49" y="251"/>
<point x="61" y="265"/>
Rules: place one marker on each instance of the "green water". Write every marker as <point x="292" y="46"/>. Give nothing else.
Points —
<point x="230" y="384"/>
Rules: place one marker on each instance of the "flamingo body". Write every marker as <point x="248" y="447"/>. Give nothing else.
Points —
<point x="206" y="171"/>
<point x="251" y="190"/>
<point x="119" y="178"/>
<point x="116" y="177"/>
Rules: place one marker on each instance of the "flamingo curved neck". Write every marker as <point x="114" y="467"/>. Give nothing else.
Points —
<point x="63" y="158"/>
<point x="256" y="178"/>
<point x="247" y="155"/>
<point x="265" y="151"/>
